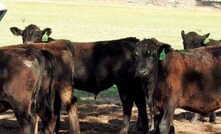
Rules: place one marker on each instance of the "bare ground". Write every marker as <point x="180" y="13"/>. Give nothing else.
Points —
<point x="105" y="118"/>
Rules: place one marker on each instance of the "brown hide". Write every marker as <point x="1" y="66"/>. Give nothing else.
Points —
<point x="20" y="81"/>
<point x="193" y="78"/>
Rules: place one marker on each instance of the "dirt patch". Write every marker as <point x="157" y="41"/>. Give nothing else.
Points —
<point x="106" y="118"/>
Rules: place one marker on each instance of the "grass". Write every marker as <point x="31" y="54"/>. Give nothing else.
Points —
<point x="80" y="21"/>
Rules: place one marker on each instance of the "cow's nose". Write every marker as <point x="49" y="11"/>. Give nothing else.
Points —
<point x="142" y="72"/>
<point x="28" y="42"/>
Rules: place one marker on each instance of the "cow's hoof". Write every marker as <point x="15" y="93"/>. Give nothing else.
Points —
<point x="212" y="120"/>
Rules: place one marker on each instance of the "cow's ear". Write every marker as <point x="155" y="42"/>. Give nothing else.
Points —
<point x="205" y="36"/>
<point x="47" y="30"/>
<point x="163" y="50"/>
<point x="183" y="34"/>
<point x="16" y="31"/>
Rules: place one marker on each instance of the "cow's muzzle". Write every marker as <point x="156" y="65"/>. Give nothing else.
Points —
<point x="28" y="42"/>
<point x="141" y="73"/>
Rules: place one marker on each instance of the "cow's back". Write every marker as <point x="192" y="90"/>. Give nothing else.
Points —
<point x="21" y="75"/>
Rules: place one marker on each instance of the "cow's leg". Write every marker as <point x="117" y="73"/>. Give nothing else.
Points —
<point x="155" y="116"/>
<point x="148" y="91"/>
<point x="57" y="108"/>
<point x="51" y="119"/>
<point x="157" y="119"/>
<point x="48" y="119"/>
<point x="127" y="103"/>
<point x="197" y="117"/>
<point x="68" y="99"/>
<point x="167" y="119"/>
<point x="152" y="113"/>
<point x="142" y="121"/>
<point x="4" y="106"/>
<point x="212" y="117"/>
<point x="24" y="117"/>
<point x="36" y="124"/>
<point x="73" y="116"/>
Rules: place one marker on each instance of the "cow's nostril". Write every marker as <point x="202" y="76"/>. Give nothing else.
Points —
<point x="142" y="72"/>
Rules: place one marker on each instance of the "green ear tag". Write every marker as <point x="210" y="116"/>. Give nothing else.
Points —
<point x="44" y="38"/>
<point x="206" y="41"/>
<point x="162" y="55"/>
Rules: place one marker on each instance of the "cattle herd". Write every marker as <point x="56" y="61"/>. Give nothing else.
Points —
<point x="40" y="76"/>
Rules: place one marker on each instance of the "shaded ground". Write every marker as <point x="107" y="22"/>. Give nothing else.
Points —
<point x="101" y="118"/>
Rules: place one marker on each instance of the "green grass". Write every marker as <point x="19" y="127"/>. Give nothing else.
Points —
<point x="79" y="21"/>
<point x="108" y="96"/>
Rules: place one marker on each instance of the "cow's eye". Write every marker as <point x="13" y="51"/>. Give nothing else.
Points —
<point x="136" y="54"/>
<point x="147" y="54"/>
<point x="153" y="54"/>
<point x="37" y="34"/>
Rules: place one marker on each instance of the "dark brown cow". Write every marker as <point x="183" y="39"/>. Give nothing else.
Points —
<point x="194" y="40"/>
<point x="63" y="53"/>
<point x="21" y="76"/>
<point x="190" y="79"/>
<point x="100" y="65"/>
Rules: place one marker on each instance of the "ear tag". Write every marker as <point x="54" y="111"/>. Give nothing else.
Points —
<point x="162" y="55"/>
<point x="206" y="41"/>
<point x="44" y="38"/>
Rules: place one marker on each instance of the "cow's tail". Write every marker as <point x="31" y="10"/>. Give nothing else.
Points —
<point x="41" y="62"/>
<point x="52" y="63"/>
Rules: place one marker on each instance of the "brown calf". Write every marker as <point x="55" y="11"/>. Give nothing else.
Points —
<point x="190" y="80"/>
<point x="194" y="40"/>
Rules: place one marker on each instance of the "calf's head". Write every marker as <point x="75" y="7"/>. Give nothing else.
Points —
<point x="148" y="53"/>
<point x="194" y="40"/>
<point x="31" y="33"/>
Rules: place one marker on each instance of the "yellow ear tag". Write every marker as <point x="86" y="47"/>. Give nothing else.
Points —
<point x="206" y="41"/>
<point x="162" y="55"/>
<point x="44" y="38"/>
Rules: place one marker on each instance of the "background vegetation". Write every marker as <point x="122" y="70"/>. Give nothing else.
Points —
<point x="92" y="21"/>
